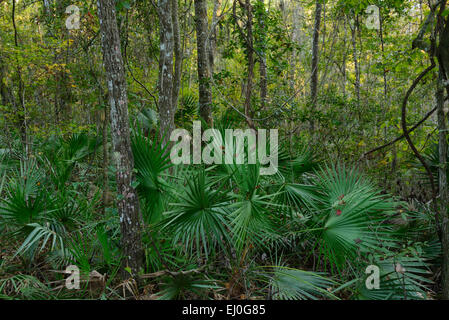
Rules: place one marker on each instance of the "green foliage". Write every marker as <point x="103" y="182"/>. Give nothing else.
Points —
<point x="352" y="215"/>
<point x="200" y="217"/>
<point x="151" y="161"/>
<point x="208" y="231"/>
<point x="293" y="284"/>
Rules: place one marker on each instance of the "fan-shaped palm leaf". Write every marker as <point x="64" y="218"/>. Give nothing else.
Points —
<point x="353" y="215"/>
<point x="294" y="284"/>
<point x="200" y="216"/>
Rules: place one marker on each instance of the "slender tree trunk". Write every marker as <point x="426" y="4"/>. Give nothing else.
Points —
<point x="385" y="102"/>
<point x="213" y="38"/>
<point x="249" y="42"/>
<point x="105" y="120"/>
<point x="128" y="202"/>
<point x="344" y="58"/>
<point x="178" y="56"/>
<point x="3" y="88"/>
<point x="315" y="60"/>
<point x="205" y="92"/>
<point x="381" y="35"/>
<point x="297" y="40"/>
<point x="356" y="61"/>
<point x="443" y="187"/>
<point x="443" y="77"/>
<point x="262" y="59"/>
<point x="21" y="108"/>
<point x="63" y="90"/>
<point x="165" y="83"/>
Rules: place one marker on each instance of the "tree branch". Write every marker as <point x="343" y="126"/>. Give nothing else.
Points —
<point x="406" y="132"/>
<point x="427" y="116"/>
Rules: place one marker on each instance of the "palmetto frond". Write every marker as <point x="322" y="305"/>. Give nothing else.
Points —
<point x="200" y="217"/>
<point x="26" y="201"/>
<point x="353" y="215"/>
<point x="62" y="155"/>
<point x="402" y="277"/>
<point x="294" y="284"/>
<point x="151" y="162"/>
<point x="251" y="210"/>
<point x="182" y="285"/>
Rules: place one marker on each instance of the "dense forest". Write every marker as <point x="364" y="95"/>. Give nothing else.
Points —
<point x="103" y="194"/>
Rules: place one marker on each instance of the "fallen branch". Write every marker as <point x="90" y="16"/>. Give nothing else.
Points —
<point x="171" y="273"/>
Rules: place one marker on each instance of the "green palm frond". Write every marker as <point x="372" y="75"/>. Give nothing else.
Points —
<point x="24" y="287"/>
<point x="62" y="155"/>
<point x="294" y="284"/>
<point x="151" y="161"/>
<point x="148" y="119"/>
<point x="294" y="167"/>
<point x="251" y="210"/>
<point x="49" y="232"/>
<point x="199" y="219"/>
<point x="402" y="277"/>
<point x="188" y="109"/>
<point x="297" y="197"/>
<point x="353" y="215"/>
<point x="26" y="200"/>
<point x="183" y="286"/>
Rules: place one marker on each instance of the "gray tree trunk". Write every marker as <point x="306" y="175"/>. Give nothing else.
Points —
<point x="344" y="58"/>
<point x="250" y="59"/>
<point x="213" y="37"/>
<point x="443" y="187"/>
<point x="315" y="60"/>
<point x="205" y="93"/>
<point x="178" y="56"/>
<point x="297" y="39"/>
<point x="63" y="90"/>
<point x="128" y="202"/>
<point x="443" y="77"/>
<point x="262" y="58"/>
<point x="356" y="61"/>
<point x="3" y="89"/>
<point x="165" y="82"/>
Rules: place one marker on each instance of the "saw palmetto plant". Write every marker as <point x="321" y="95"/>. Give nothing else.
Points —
<point x="212" y="231"/>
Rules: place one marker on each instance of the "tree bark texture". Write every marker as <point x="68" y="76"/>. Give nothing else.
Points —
<point x="128" y="202"/>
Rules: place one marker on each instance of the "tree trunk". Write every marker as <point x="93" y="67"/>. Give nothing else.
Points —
<point x="3" y="88"/>
<point x="178" y="56"/>
<point x="205" y="93"/>
<point x="443" y="187"/>
<point x="165" y="83"/>
<point x="262" y="49"/>
<point x="213" y="38"/>
<point x="63" y="94"/>
<point x="128" y="202"/>
<point x="250" y="60"/>
<point x="297" y="40"/>
<point x="105" y="199"/>
<point x="356" y="61"/>
<point x="21" y="108"/>
<point x="443" y="76"/>
<point x="315" y="60"/>
<point x="381" y="35"/>
<point x="344" y="58"/>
